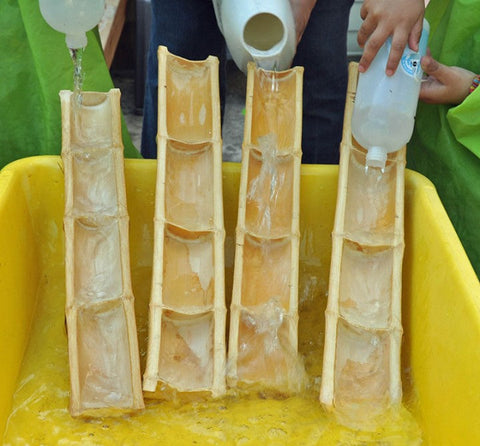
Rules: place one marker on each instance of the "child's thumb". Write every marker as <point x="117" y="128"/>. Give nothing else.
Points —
<point x="433" y="68"/>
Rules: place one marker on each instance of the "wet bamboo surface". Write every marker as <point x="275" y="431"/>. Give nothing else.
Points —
<point x="263" y="336"/>
<point x="102" y="338"/>
<point x="361" y="367"/>
<point x="186" y="345"/>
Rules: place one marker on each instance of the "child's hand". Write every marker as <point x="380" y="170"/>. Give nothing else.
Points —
<point x="401" y="19"/>
<point x="444" y="84"/>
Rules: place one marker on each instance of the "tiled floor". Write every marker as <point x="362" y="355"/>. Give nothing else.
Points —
<point x="232" y="130"/>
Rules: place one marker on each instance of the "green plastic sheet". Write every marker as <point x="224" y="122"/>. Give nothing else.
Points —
<point x="35" y="65"/>
<point x="445" y="146"/>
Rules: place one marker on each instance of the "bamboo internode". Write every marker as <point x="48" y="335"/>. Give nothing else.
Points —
<point x="361" y="367"/>
<point x="102" y="337"/>
<point x="186" y="345"/>
<point x="263" y="343"/>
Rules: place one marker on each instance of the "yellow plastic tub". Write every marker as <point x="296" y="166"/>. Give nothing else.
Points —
<point x="441" y="318"/>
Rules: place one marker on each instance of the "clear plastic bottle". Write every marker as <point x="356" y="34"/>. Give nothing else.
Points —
<point x="385" y="106"/>
<point x="73" y="18"/>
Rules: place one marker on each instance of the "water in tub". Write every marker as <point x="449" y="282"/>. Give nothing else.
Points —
<point x="39" y="414"/>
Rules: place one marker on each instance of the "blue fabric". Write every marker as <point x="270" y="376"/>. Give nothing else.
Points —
<point x="323" y="53"/>
<point x="188" y="28"/>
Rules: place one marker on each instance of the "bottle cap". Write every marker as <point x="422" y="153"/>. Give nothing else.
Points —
<point x="376" y="157"/>
<point x="76" y="41"/>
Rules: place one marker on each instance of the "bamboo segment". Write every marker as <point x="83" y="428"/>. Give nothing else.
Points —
<point x="361" y="365"/>
<point x="264" y="311"/>
<point x="186" y="346"/>
<point x="102" y="337"/>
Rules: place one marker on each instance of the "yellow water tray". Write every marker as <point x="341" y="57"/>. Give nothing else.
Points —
<point x="441" y="319"/>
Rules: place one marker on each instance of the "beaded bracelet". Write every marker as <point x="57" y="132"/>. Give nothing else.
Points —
<point x="475" y="83"/>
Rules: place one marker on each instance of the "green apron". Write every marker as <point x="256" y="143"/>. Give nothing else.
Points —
<point x="35" y="65"/>
<point x="445" y="146"/>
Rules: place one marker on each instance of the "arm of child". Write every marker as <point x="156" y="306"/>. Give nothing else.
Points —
<point x="444" y="84"/>
<point x="401" y="19"/>
<point x="301" y="10"/>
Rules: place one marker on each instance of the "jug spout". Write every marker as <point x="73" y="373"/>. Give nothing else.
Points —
<point x="259" y="31"/>
<point x="268" y="60"/>
<point x="265" y="39"/>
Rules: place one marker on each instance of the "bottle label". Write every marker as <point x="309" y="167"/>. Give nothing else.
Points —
<point x="410" y="63"/>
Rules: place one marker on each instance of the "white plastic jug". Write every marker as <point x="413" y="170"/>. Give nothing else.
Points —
<point x="73" y="17"/>
<point x="385" y="106"/>
<point x="258" y="30"/>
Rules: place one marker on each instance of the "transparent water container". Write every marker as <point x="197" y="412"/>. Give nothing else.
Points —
<point x="73" y="18"/>
<point x="385" y="106"/>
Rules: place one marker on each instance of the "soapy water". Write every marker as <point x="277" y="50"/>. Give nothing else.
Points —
<point x="267" y="356"/>
<point x="40" y="416"/>
<point x="78" y="74"/>
<point x="370" y="206"/>
<point x="266" y="189"/>
<point x="268" y="180"/>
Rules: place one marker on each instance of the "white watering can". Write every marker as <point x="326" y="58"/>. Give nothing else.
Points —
<point x="262" y="31"/>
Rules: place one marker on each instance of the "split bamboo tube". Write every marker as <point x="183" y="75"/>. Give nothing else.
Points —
<point x="102" y="338"/>
<point x="361" y="367"/>
<point x="186" y="345"/>
<point x="263" y="352"/>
